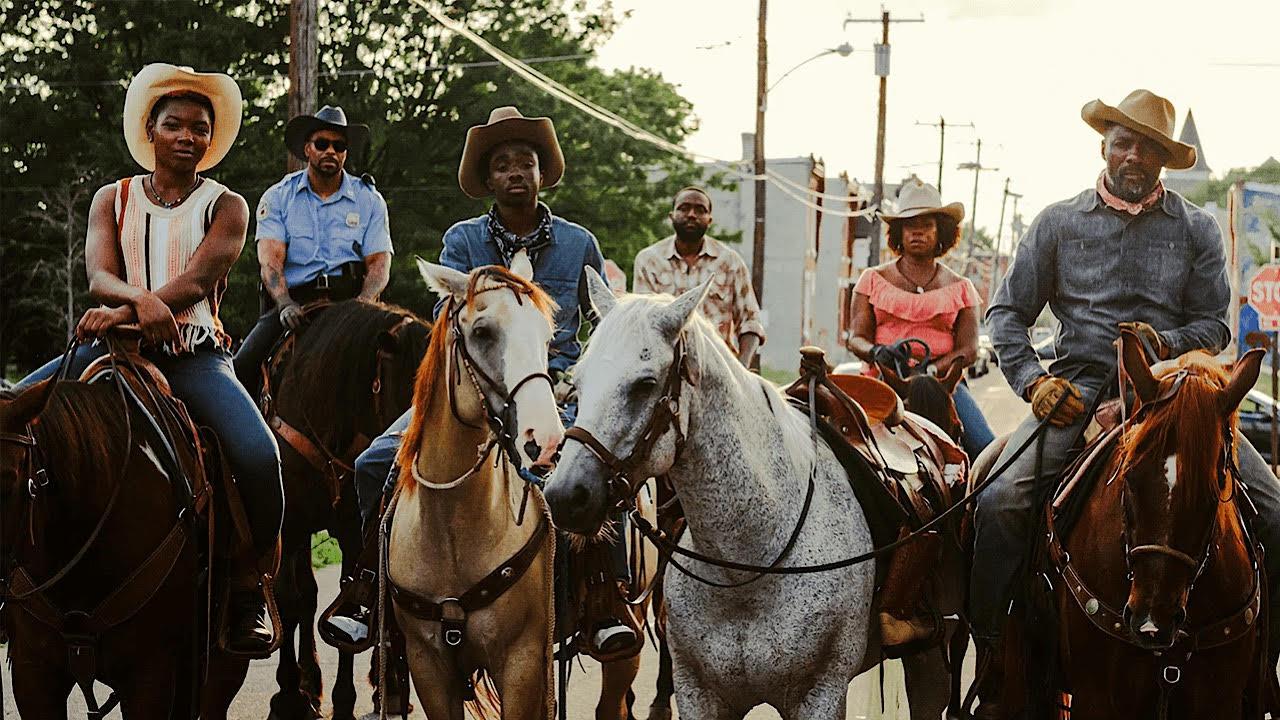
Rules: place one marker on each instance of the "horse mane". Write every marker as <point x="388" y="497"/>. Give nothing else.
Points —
<point x="337" y="353"/>
<point x="1180" y="419"/>
<point x="80" y="433"/>
<point x="927" y="398"/>
<point x="490" y="277"/>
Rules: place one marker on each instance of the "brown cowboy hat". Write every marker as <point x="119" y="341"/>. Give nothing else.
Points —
<point x="506" y="123"/>
<point x="1145" y="112"/>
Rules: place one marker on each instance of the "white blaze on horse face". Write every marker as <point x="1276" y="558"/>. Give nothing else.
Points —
<point x="526" y="336"/>
<point x="1171" y="472"/>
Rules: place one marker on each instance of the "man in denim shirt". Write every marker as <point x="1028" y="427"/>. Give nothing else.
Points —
<point x="1126" y="252"/>
<point x="512" y="158"/>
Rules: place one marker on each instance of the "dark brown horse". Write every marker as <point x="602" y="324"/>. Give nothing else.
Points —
<point x="102" y="555"/>
<point x="1159" y="598"/>
<point x="346" y="375"/>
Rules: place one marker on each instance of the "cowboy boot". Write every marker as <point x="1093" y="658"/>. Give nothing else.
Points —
<point x="901" y="622"/>
<point x="250" y="626"/>
<point x="989" y="679"/>
<point x="348" y="622"/>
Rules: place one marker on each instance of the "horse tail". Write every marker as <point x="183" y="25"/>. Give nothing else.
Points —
<point x="487" y="705"/>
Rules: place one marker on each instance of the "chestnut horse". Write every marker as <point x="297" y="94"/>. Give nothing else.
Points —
<point x="1159" y="593"/>
<point x="101" y="560"/>
<point x="346" y="375"/>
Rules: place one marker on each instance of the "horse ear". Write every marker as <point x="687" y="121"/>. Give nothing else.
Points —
<point x="891" y="377"/>
<point x="1242" y="380"/>
<point x="598" y="290"/>
<point x="16" y="413"/>
<point x="676" y="315"/>
<point x="1133" y="359"/>
<point x="952" y="377"/>
<point x="521" y="265"/>
<point x="443" y="281"/>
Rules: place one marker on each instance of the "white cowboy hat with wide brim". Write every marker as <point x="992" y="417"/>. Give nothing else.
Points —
<point x="506" y="123"/>
<point x="160" y="79"/>
<point x="917" y="197"/>
<point x="1145" y="112"/>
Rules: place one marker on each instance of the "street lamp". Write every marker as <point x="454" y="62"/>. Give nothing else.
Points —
<point x="843" y="50"/>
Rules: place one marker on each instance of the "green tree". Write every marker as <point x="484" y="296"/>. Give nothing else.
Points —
<point x="66" y="64"/>
<point x="1216" y="190"/>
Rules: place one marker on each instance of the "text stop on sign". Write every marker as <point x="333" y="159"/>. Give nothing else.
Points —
<point x="1264" y="296"/>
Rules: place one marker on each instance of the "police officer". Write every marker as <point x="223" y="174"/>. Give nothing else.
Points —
<point x="322" y="234"/>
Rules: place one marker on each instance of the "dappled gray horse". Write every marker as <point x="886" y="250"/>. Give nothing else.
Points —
<point x="742" y="473"/>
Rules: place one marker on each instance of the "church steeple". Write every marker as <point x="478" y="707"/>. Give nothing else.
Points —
<point x="1191" y="136"/>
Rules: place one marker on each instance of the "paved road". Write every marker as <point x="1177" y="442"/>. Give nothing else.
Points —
<point x="1003" y="410"/>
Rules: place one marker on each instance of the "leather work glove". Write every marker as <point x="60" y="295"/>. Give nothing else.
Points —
<point x="1044" y="395"/>
<point x="1150" y="338"/>
<point x="291" y="315"/>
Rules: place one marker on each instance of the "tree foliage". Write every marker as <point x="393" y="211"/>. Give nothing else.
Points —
<point x="66" y="63"/>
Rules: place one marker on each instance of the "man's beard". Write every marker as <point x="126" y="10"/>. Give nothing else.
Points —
<point x="1131" y="190"/>
<point x="325" y="171"/>
<point x="689" y="233"/>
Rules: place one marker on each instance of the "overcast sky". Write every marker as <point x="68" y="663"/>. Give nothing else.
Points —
<point x="1018" y="69"/>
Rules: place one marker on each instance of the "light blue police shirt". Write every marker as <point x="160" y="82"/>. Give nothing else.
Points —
<point x="323" y="234"/>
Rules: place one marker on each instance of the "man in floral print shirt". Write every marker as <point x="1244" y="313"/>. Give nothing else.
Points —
<point x="689" y="257"/>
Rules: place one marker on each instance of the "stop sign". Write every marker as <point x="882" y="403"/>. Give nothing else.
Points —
<point x="1264" y="296"/>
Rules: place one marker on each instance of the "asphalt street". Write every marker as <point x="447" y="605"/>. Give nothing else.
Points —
<point x="1003" y="411"/>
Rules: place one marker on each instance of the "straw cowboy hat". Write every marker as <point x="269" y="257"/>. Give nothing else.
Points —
<point x="920" y="198"/>
<point x="329" y="117"/>
<point x="506" y="123"/>
<point x="1145" y="112"/>
<point x="158" y="80"/>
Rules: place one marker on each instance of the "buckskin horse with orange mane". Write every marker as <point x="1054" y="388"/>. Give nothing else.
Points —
<point x="104" y="498"/>
<point x="470" y="547"/>
<point x="1158" y="583"/>
<point x="329" y="388"/>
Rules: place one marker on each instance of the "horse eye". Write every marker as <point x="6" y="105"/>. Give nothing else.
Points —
<point x="644" y="385"/>
<point x="482" y="333"/>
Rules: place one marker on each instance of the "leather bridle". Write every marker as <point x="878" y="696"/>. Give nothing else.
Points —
<point x="623" y="486"/>
<point x="501" y="419"/>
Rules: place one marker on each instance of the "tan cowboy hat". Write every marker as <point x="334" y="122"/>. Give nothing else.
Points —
<point x="917" y="197"/>
<point x="1145" y="112"/>
<point x="506" y="123"/>
<point x="160" y="79"/>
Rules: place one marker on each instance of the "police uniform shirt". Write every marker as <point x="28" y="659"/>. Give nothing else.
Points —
<point x="321" y="235"/>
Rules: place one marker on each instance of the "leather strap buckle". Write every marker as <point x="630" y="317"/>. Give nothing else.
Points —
<point x="322" y="282"/>
<point x="453" y="622"/>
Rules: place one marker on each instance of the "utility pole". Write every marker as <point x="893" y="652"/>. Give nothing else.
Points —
<point x="977" y="168"/>
<point x="762" y="83"/>
<point x="304" y="59"/>
<point x="995" y="259"/>
<point x="942" y="141"/>
<point x="882" y="71"/>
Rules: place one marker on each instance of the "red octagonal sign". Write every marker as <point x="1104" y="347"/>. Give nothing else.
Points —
<point x="1264" y="296"/>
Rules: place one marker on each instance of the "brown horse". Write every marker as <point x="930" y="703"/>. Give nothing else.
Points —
<point x="342" y="379"/>
<point x="102" y="558"/>
<point x="1158" y="591"/>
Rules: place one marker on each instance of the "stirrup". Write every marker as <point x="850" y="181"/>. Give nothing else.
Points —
<point x="359" y="592"/>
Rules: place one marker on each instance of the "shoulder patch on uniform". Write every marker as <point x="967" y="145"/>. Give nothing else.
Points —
<point x="264" y="209"/>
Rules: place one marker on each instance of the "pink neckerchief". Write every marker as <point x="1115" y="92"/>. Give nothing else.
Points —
<point x="1121" y="205"/>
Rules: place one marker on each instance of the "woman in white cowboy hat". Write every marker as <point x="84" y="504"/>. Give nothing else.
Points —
<point x="916" y="296"/>
<point x="158" y="249"/>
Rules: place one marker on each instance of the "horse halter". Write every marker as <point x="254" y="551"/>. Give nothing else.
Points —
<point x="666" y="416"/>
<point x="1227" y="469"/>
<point x="501" y="420"/>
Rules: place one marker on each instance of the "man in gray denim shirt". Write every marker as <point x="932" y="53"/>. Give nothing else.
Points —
<point x="1124" y="252"/>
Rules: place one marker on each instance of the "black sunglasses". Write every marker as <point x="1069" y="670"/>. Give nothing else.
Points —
<point x="322" y="144"/>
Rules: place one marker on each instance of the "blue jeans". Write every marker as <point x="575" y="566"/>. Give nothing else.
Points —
<point x="1007" y="515"/>
<point x="977" y="433"/>
<point x="204" y="381"/>
<point x="375" y="479"/>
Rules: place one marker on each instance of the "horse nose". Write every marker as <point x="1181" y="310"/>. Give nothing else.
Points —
<point x="569" y="505"/>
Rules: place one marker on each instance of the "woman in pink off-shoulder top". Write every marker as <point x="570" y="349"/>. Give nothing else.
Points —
<point x="916" y="296"/>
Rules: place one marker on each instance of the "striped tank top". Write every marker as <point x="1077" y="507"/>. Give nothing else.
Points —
<point x="156" y="245"/>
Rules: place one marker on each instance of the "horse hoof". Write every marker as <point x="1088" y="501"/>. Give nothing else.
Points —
<point x="657" y="712"/>
<point x="293" y="706"/>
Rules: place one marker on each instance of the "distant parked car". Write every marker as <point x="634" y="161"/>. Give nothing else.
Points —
<point x="1044" y="348"/>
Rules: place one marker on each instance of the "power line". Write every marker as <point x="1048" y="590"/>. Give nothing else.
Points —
<point x="789" y="187"/>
